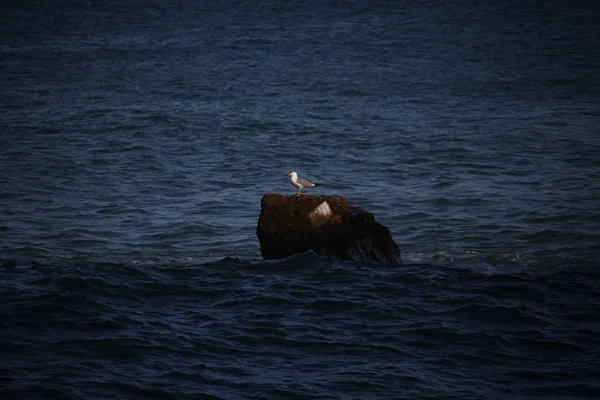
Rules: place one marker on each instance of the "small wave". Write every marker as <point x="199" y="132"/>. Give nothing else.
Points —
<point x="156" y="245"/>
<point x="553" y="218"/>
<point x="542" y="235"/>
<point x="353" y="93"/>
<point x="255" y="126"/>
<point x="418" y="160"/>
<point x="162" y="118"/>
<point x="440" y="185"/>
<point x="419" y="215"/>
<point x="440" y="201"/>
<point x="323" y="108"/>
<point x="118" y="210"/>
<point x="181" y="232"/>
<point x="134" y="148"/>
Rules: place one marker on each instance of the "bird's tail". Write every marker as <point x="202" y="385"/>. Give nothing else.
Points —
<point x="317" y="184"/>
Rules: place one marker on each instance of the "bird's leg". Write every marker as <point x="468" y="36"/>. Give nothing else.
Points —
<point x="299" y="192"/>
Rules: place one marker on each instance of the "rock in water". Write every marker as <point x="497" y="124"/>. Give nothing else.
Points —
<point x="328" y="225"/>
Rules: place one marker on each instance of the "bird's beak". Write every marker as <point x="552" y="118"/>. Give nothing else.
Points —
<point x="289" y="174"/>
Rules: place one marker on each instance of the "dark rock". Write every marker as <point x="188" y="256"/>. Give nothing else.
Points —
<point x="290" y="225"/>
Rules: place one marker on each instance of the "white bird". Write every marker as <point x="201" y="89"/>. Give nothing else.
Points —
<point x="300" y="183"/>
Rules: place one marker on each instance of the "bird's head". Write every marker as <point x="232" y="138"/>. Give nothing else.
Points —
<point x="293" y="174"/>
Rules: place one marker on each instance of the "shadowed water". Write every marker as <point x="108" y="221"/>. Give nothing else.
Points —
<point x="300" y="328"/>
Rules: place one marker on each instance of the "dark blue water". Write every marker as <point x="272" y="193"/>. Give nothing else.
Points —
<point x="137" y="139"/>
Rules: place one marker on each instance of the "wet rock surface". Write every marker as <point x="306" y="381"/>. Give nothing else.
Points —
<point x="328" y="225"/>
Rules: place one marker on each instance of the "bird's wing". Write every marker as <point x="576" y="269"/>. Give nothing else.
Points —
<point x="305" y="182"/>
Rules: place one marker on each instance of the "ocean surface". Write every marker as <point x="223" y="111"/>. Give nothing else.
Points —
<point x="137" y="139"/>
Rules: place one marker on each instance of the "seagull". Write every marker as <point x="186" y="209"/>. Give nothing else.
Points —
<point x="300" y="183"/>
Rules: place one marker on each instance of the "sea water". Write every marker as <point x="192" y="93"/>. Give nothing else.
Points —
<point x="137" y="139"/>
